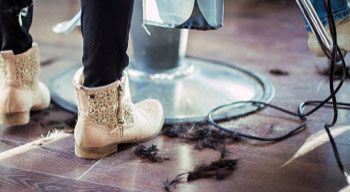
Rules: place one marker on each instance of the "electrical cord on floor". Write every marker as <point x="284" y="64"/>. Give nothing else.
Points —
<point x="330" y="101"/>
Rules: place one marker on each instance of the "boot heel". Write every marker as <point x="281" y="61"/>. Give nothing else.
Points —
<point x="15" y="118"/>
<point x="95" y="152"/>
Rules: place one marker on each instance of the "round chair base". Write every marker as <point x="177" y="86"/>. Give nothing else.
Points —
<point x="188" y="92"/>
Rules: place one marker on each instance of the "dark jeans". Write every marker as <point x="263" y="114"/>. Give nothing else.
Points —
<point x="340" y="9"/>
<point x="13" y="36"/>
<point x="105" y="28"/>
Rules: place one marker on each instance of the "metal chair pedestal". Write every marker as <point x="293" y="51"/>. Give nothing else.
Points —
<point x="187" y="87"/>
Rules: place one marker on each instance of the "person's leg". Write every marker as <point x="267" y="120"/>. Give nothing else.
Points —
<point x="13" y="34"/>
<point x="20" y="88"/>
<point x="105" y="27"/>
<point x="107" y="117"/>
<point x="341" y="12"/>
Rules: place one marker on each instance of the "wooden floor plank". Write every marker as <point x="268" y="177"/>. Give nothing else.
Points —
<point x="12" y="179"/>
<point x="123" y="169"/>
<point x="56" y="160"/>
<point x="260" y="35"/>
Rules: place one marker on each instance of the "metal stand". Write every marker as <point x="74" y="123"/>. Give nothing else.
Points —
<point x="318" y="29"/>
<point x="187" y="87"/>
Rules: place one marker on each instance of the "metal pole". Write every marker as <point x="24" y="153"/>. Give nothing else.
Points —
<point x="156" y="49"/>
<point x="316" y="25"/>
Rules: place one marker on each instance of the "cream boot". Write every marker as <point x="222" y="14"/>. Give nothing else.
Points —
<point x="107" y="117"/>
<point x="20" y="89"/>
<point x="343" y="37"/>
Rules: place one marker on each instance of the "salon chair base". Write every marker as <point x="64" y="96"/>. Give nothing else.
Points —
<point x="187" y="93"/>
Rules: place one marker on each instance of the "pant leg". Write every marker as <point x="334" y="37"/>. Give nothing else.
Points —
<point x="13" y="36"/>
<point x="105" y="27"/>
<point x="340" y="9"/>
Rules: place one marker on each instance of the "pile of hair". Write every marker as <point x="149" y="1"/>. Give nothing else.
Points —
<point x="150" y="153"/>
<point x="202" y="136"/>
<point x="278" y="72"/>
<point x="48" y="119"/>
<point x="218" y="170"/>
<point x="338" y="71"/>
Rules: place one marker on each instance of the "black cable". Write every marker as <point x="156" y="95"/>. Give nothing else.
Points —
<point x="330" y="101"/>
<point x="336" y="50"/>
<point x="259" y="105"/>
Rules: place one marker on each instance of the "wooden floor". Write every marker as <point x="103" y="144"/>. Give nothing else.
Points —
<point x="261" y="35"/>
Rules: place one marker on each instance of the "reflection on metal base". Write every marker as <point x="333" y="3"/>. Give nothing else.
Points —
<point x="187" y="94"/>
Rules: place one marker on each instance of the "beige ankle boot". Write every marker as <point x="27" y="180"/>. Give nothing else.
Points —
<point x="343" y="37"/>
<point x="107" y="117"/>
<point x="20" y="89"/>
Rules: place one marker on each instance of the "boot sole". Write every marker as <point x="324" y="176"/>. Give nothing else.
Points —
<point x="15" y="118"/>
<point x="95" y="152"/>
